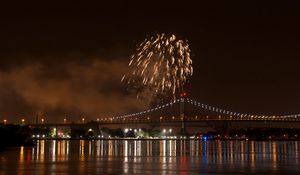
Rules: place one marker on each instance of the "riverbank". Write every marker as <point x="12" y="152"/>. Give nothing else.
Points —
<point x="14" y="136"/>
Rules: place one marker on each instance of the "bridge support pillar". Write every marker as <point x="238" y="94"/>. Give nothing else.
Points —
<point x="182" y="115"/>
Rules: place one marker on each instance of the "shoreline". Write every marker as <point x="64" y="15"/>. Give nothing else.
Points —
<point x="146" y="139"/>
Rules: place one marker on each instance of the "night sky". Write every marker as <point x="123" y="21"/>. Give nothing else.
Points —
<point x="68" y="59"/>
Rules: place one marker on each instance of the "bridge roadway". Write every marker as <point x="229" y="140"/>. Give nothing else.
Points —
<point x="194" y="121"/>
<point x="218" y="118"/>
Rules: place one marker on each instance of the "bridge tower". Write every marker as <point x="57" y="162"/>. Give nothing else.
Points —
<point x="182" y="114"/>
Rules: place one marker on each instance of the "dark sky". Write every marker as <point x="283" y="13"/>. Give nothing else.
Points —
<point x="68" y="59"/>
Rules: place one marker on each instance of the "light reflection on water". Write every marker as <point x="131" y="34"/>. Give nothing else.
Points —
<point x="162" y="156"/>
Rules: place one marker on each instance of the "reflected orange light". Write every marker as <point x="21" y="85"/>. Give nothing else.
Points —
<point x="81" y="150"/>
<point x="274" y="151"/>
<point x="21" y="154"/>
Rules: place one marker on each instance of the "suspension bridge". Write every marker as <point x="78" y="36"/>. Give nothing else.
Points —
<point x="185" y="112"/>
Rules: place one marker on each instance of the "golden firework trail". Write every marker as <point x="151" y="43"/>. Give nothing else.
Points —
<point x="162" y="62"/>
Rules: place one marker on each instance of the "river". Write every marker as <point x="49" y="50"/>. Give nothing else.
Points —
<point x="152" y="157"/>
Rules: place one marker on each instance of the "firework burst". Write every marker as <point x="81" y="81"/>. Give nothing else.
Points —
<point x="161" y="62"/>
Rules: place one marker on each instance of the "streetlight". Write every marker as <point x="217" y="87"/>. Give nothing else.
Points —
<point x="65" y="120"/>
<point x="164" y="133"/>
<point x="98" y="119"/>
<point x="42" y="120"/>
<point x="125" y="132"/>
<point x="82" y="120"/>
<point x="5" y="121"/>
<point x="23" y="121"/>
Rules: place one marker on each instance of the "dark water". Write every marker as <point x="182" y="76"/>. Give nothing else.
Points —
<point x="152" y="157"/>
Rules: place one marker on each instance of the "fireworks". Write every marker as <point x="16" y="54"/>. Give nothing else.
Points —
<point x="161" y="62"/>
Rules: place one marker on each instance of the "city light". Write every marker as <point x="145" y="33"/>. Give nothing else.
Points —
<point x="23" y="121"/>
<point x="5" y="121"/>
<point x="42" y="120"/>
<point x="82" y="120"/>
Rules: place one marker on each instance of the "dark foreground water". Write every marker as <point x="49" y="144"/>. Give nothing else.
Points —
<point x="152" y="157"/>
